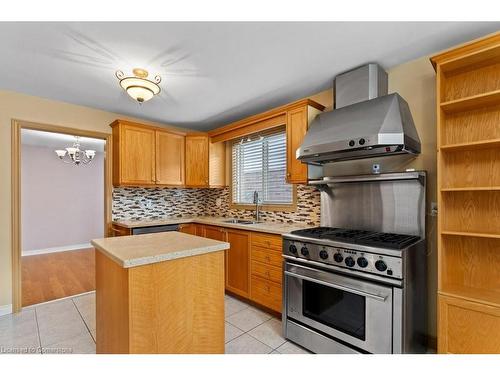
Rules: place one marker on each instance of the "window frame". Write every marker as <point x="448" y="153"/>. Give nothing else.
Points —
<point x="286" y="207"/>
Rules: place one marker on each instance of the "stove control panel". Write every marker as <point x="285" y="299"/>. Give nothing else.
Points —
<point x="382" y="265"/>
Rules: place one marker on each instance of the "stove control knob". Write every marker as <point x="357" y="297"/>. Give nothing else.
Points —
<point x="362" y="262"/>
<point x="380" y="265"/>
<point x="323" y="254"/>
<point x="292" y="249"/>
<point x="338" y="257"/>
<point x="349" y="262"/>
<point x="362" y="141"/>
<point x="352" y="143"/>
<point x="304" y="251"/>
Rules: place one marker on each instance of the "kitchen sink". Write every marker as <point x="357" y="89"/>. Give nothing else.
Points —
<point x="240" y="221"/>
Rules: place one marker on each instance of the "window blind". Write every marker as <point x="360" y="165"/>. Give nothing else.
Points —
<point x="260" y="165"/>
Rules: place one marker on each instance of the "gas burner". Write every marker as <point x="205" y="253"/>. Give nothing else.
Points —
<point x="359" y="236"/>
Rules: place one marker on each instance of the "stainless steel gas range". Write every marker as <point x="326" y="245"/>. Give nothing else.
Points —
<point x="357" y="284"/>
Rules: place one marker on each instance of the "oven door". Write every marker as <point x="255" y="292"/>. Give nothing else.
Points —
<point x="356" y="312"/>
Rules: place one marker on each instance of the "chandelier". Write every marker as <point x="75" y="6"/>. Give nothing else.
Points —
<point x="138" y="86"/>
<point x="73" y="155"/>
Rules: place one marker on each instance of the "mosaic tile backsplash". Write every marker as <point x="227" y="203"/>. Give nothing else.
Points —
<point x="131" y="203"/>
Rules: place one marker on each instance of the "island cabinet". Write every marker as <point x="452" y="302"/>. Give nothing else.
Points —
<point x="144" y="155"/>
<point x="161" y="293"/>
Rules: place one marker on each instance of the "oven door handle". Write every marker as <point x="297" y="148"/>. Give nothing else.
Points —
<point x="341" y="287"/>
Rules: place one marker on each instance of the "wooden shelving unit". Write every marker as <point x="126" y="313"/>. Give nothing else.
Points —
<point x="468" y="116"/>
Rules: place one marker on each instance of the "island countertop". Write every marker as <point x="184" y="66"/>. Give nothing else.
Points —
<point x="132" y="251"/>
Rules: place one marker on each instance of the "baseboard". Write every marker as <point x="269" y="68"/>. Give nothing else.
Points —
<point x="56" y="249"/>
<point x="5" y="310"/>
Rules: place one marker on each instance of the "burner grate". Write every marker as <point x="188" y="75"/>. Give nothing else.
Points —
<point x="358" y="236"/>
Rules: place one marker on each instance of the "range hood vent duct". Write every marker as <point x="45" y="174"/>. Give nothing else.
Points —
<point x="365" y="123"/>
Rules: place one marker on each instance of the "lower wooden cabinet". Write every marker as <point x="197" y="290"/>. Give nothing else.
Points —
<point x="238" y="262"/>
<point x="215" y="233"/>
<point x="466" y="327"/>
<point x="188" y="228"/>
<point x="118" y="230"/>
<point x="266" y="270"/>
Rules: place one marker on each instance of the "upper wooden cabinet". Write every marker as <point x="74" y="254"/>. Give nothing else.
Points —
<point x="145" y="155"/>
<point x="296" y="128"/>
<point x="197" y="160"/>
<point x="170" y="151"/>
<point x="295" y="116"/>
<point x="133" y="154"/>
<point x="205" y="162"/>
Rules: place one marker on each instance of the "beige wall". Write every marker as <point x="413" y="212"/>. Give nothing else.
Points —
<point x="29" y="108"/>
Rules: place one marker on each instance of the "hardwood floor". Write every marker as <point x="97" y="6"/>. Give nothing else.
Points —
<point x="56" y="275"/>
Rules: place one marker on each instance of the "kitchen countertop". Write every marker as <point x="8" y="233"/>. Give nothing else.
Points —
<point x="266" y="227"/>
<point x="132" y="251"/>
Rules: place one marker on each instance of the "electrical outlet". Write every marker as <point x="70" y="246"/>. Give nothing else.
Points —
<point x="218" y="202"/>
<point x="434" y="209"/>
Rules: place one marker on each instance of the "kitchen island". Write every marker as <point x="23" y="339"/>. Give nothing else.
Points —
<point x="159" y="293"/>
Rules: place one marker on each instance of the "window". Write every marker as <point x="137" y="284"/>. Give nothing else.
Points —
<point x="260" y="165"/>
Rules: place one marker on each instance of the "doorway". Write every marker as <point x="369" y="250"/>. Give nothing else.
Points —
<point x="58" y="207"/>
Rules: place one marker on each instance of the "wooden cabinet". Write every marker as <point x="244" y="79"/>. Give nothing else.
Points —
<point x="188" y="228"/>
<point x="297" y="123"/>
<point x="144" y="155"/>
<point x="295" y="116"/>
<point x="238" y="262"/>
<point x="217" y="164"/>
<point x="296" y="128"/>
<point x="266" y="270"/>
<point x="133" y="154"/>
<point x="197" y="160"/>
<point x="468" y="327"/>
<point x="118" y="230"/>
<point x="215" y="233"/>
<point x="170" y="151"/>
<point x="468" y="133"/>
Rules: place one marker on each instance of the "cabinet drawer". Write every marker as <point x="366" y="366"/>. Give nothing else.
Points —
<point x="267" y="272"/>
<point x="266" y="256"/>
<point x="468" y="327"/>
<point x="267" y="293"/>
<point x="267" y="241"/>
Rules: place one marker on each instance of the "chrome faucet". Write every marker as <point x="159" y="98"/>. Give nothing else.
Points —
<point x="256" y="202"/>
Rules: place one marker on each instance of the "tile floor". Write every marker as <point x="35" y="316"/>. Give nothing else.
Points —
<point x="68" y="326"/>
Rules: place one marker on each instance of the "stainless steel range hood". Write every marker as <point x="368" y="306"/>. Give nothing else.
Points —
<point x="365" y="123"/>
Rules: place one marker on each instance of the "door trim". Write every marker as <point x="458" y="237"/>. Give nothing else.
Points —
<point x="16" y="126"/>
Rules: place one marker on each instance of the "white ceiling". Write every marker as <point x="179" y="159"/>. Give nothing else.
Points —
<point x="58" y="141"/>
<point x="213" y="73"/>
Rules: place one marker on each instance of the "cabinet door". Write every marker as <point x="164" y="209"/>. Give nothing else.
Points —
<point x="188" y="228"/>
<point x="170" y="150"/>
<point x="296" y="128"/>
<point x="197" y="160"/>
<point x="237" y="262"/>
<point x="137" y="155"/>
<point x="217" y="164"/>
<point x="215" y="233"/>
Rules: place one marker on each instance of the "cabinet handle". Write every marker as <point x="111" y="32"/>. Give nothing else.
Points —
<point x="288" y="174"/>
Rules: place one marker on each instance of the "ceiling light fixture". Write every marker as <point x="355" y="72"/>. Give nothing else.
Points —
<point x="75" y="155"/>
<point x="138" y="86"/>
